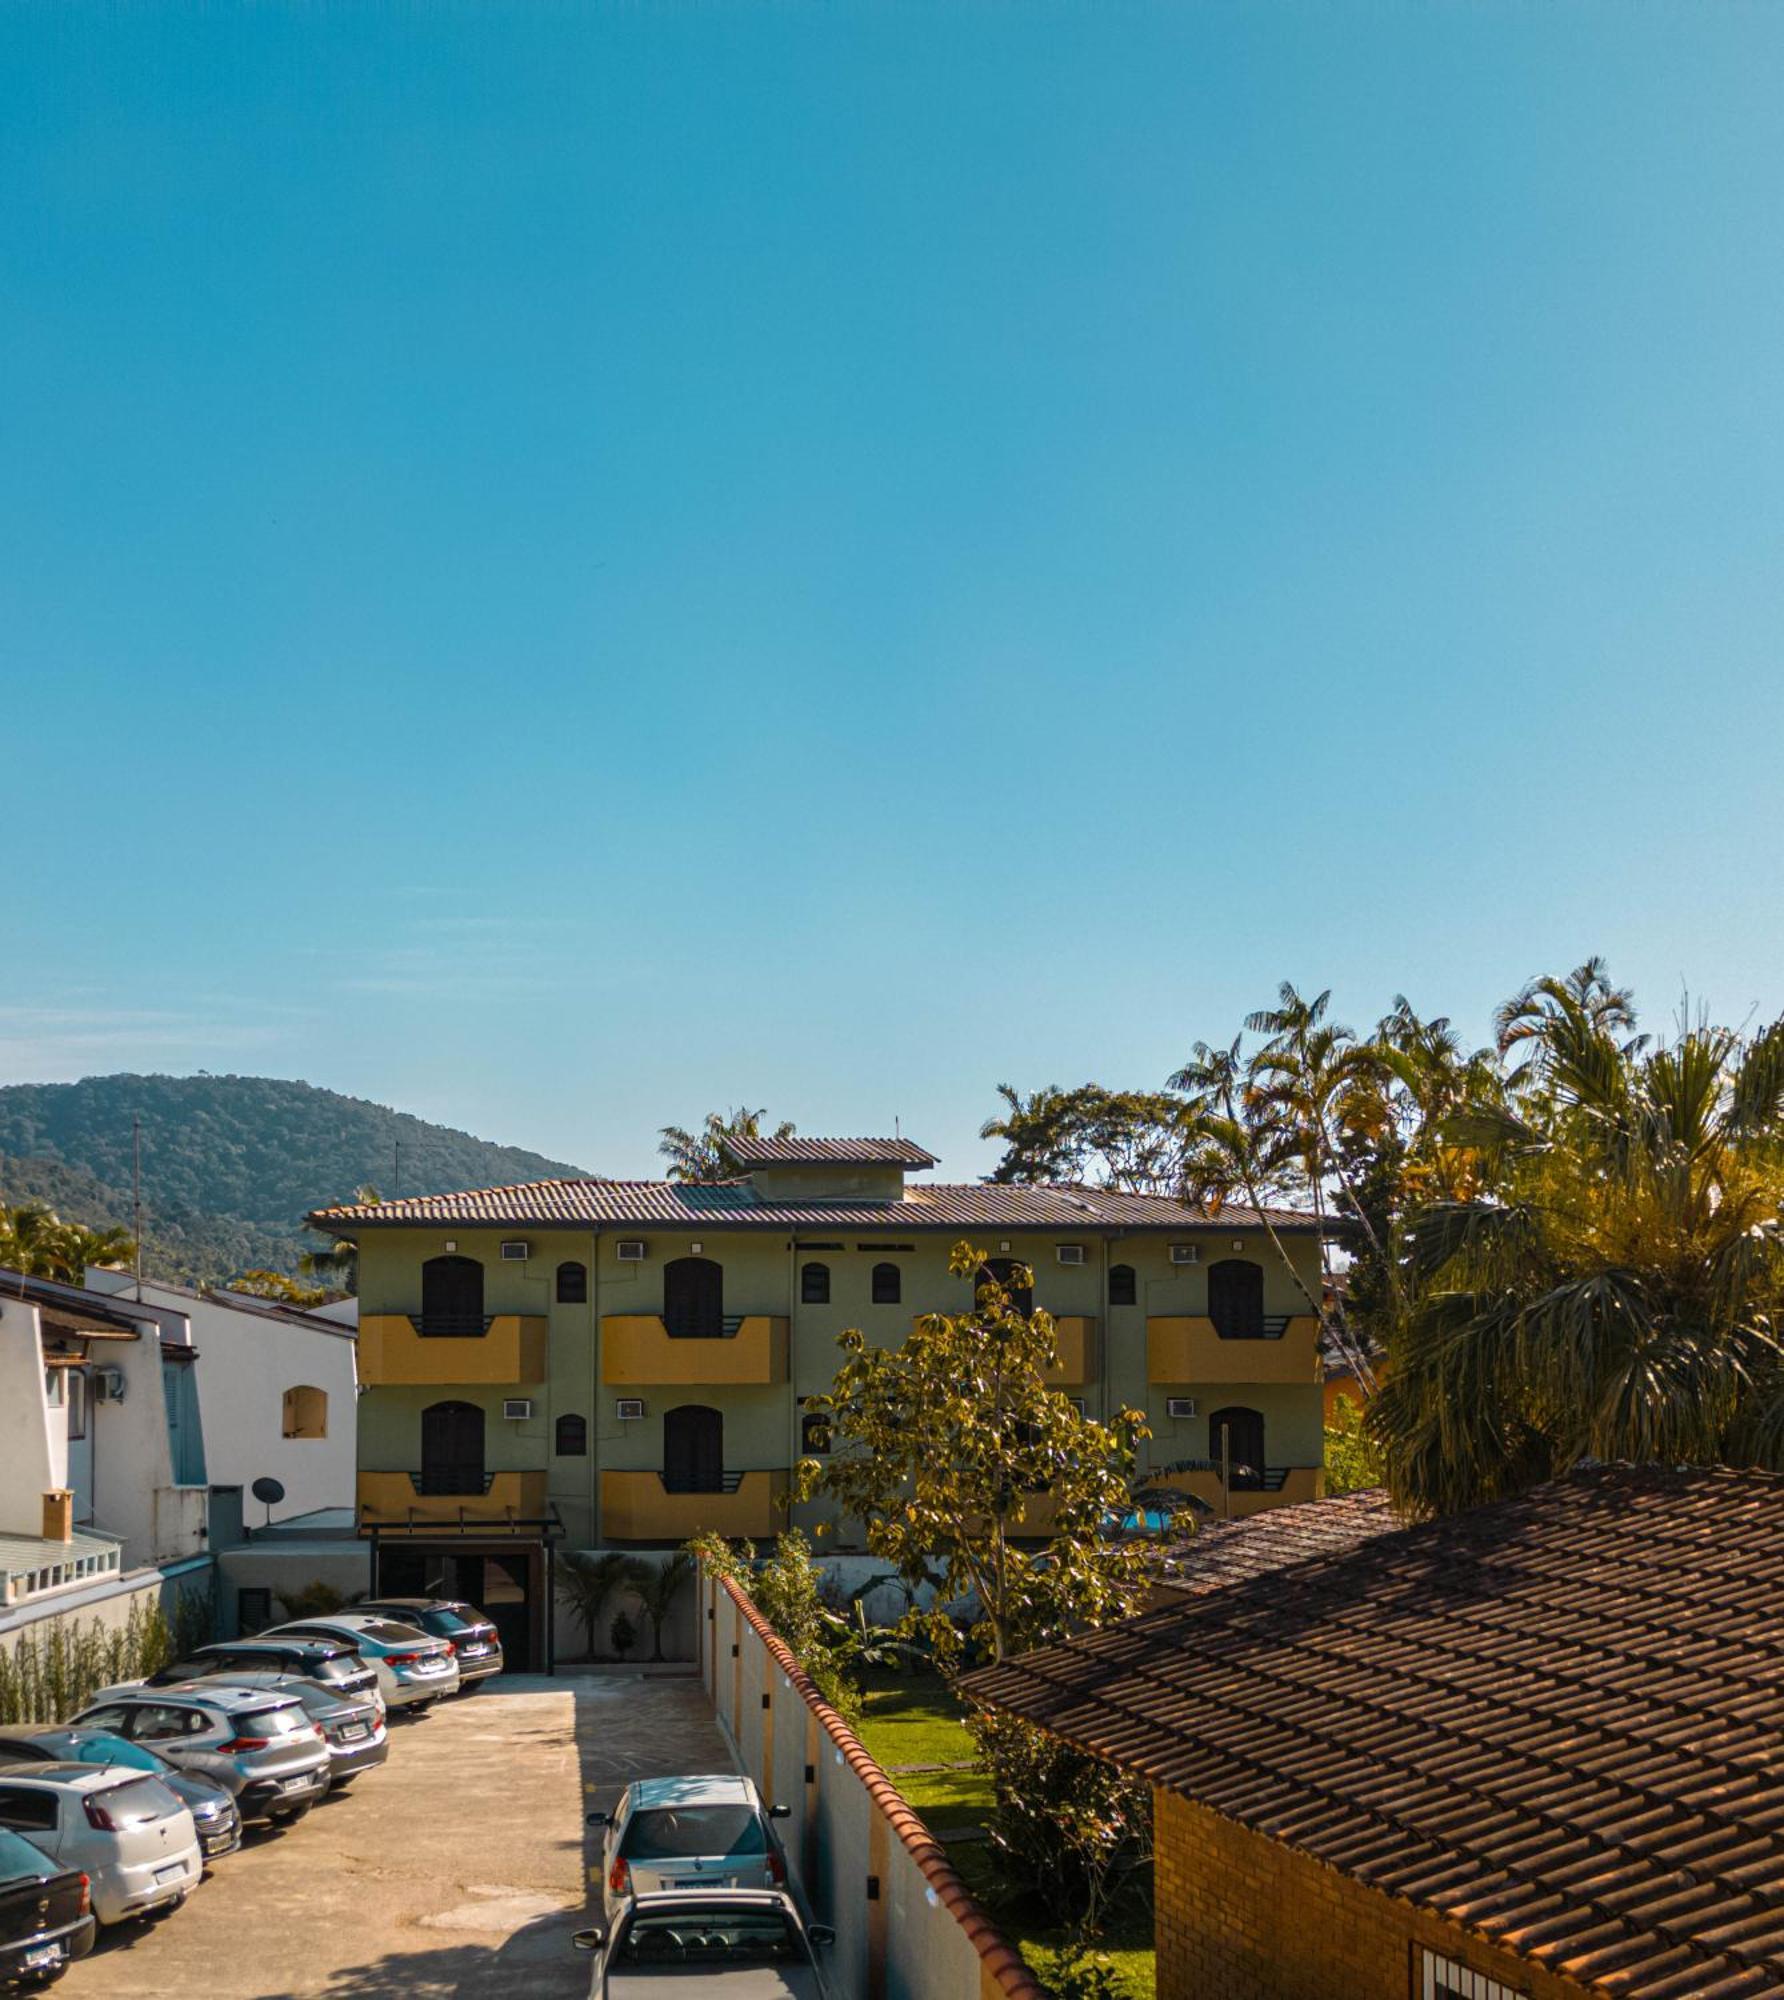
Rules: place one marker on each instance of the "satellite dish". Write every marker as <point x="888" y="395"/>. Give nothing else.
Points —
<point x="271" y="1492"/>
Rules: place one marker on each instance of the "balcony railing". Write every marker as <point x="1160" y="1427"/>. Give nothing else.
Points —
<point x="638" y="1351"/>
<point x="641" y="1506"/>
<point x="406" y="1498"/>
<point x="1260" y="1488"/>
<point x="505" y="1350"/>
<point x="451" y="1325"/>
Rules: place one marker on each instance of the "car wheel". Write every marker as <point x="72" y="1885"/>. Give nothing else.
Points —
<point x="166" y="1910"/>
<point x="291" y="1816"/>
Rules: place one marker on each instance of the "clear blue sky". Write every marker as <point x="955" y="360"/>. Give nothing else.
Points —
<point x="568" y="566"/>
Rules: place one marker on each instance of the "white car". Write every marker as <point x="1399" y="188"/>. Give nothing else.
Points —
<point x="414" y="1668"/>
<point x="127" y="1830"/>
<point x="684" y="1945"/>
<point x="689" y="1833"/>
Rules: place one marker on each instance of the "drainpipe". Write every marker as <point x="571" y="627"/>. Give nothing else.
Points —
<point x="793" y="1451"/>
<point x="594" y="1406"/>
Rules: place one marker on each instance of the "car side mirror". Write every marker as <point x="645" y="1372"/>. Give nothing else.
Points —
<point x="821" y="1934"/>
<point x="780" y="1812"/>
<point x="600" y="1819"/>
<point x="590" y="1940"/>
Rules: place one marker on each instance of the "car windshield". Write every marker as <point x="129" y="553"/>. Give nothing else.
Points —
<point x="280" y="1721"/>
<point x="660" y="1833"/>
<point x="388" y="1634"/>
<point x="710" y="1936"/>
<point x="104" y="1748"/>
<point x="140" y="1802"/>
<point x="326" y="1701"/>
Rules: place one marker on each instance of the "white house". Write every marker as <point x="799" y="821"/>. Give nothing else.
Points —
<point x="102" y="1450"/>
<point x="277" y="1392"/>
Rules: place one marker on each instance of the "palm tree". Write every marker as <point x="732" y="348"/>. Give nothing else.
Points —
<point x="658" y="1586"/>
<point x="339" y="1263"/>
<point x="1616" y="1291"/>
<point x="704" y="1155"/>
<point x="36" y="1241"/>
<point x="585" y="1583"/>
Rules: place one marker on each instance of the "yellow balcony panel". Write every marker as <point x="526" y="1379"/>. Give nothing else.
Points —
<point x="386" y="1497"/>
<point x="393" y="1352"/>
<point x="637" y="1352"/>
<point x="1078" y="1357"/>
<point x="1189" y="1351"/>
<point x="1284" y="1486"/>
<point x="637" y="1507"/>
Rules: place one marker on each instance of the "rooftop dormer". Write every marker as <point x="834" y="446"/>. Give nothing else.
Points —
<point x="798" y="1170"/>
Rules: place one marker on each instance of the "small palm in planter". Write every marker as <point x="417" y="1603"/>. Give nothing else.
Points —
<point x="623" y="1633"/>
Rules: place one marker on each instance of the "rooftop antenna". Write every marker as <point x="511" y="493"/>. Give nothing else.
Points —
<point x="396" y="1168"/>
<point x="136" y="1198"/>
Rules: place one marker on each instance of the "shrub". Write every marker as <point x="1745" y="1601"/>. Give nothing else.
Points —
<point x="788" y="1589"/>
<point x="54" y="1668"/>
<point x="314" y="1599"/>
<point x="623" y="1633"/>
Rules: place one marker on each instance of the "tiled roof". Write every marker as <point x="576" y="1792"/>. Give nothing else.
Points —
<point x="1555" y="1720"/>
<point x="1225" y="1552"/>
<point x="796" y="1152"/>
<point x="735" y="1204"/>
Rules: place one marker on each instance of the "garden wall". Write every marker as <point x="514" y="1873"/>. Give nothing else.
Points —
<point x="906" y="1928"/>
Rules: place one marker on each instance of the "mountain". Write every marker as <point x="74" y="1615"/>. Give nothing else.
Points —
<point x="230" y="1164"/>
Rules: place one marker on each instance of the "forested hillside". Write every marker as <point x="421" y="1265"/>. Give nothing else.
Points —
<point x="230" y="1164"/>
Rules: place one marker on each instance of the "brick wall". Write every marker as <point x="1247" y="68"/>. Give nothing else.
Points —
<point x="1241" y="1917"/>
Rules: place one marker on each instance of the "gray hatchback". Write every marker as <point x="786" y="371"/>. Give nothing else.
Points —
<point x="352" y="1725"/>
<point x="262" y="1747"/>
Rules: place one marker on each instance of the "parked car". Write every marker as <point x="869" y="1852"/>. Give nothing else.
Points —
<point x="125" y="1830"/>
<point x="334" y="1662"/>
<point x="474" y="1640"/>
<point x="689" y="1833"/>
<point x="414" y="1669"/>
<point x="262" y="1748"/>
<point x="212" y="1806"/>
<point x="751" y="1942"/>
<point x="352" y="1725"/>
<point x="46" y="1914"/>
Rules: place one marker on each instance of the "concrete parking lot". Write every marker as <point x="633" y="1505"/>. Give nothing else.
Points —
<point x="457" y="1871"/>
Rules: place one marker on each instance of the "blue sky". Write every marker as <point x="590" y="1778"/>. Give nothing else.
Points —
<point x="568" y="566"/>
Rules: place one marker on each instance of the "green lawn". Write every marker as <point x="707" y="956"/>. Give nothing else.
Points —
<point x="911" y="1719"/>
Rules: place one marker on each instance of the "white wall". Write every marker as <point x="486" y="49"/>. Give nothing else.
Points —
<point x="33" y="1450"/>
<point x="246" y="1361"/>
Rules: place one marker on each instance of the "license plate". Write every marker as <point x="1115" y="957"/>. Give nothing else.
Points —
<point x="44" y="1956"/>
<point x="353" y="1731"/>
<point x="171" y="1872"/>
<point x="302" y="1784"/>
<point x="430" y="1666"/>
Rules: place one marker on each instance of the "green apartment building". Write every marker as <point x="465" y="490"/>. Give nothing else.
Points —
<point x="591" y="1363"/>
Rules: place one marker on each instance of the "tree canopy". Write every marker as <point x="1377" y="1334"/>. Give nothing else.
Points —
<point x="704" y="1155"/>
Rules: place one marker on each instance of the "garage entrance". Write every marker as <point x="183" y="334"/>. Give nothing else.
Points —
<point x="513" y="1582"/>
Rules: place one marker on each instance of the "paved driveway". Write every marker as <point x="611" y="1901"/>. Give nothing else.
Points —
<point x="456" y="1872"/>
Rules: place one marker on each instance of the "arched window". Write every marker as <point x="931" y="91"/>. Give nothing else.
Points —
<point x="452" y="1298"/>
<point x="887" y="1286"/>
<point x="694" y="1299"/>
<point x="1236" y="1439"/>
<point x="1236" y="1299"/>
<point x="572" y="1284"/>
<point x="815" y="1431"/>
<point x="304" y="1413"/>
<point x="451" y="1449"/>
<point x="1124" y="1287"/>
<point x="693" y="1450"/>
<point x="571" y="1439"/>
<point x="1002" y="1271"/>
<point x="814" y="1284"/>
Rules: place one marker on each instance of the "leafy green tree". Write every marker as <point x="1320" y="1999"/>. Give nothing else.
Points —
<point x="705" y="1155"/>
<point x="1612" y="1288"/>
<point x="1127" y="1139"/>
<point x="787" y="1588"/>
<point x="36" y="1241"/>
<point x="275" y="1285"/>
<point x="955" y="1452"/>
<point x="1353" y="1460"/>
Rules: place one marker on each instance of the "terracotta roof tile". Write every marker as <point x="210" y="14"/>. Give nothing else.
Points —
<point x="584" y="1204"/>
<point x="1555" y="1720"/>
<point x="797" y="1152"/>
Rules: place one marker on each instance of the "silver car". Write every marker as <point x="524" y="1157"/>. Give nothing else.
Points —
<point x="700" y="1945"/>
<point x="214" y="1816"/>
<point x="261" y="1747"/>
<point x="689" y="1833"/>
<point x="352" y="1725"/>
<point x="126" y="1830"/>
<point x="414" y="1669"/>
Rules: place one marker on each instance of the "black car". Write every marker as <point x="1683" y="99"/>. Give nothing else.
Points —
<point x="215" y="1816"/>
<point x="46" y="1919"/>
<point x="331" y="1661"/>
<point x="473" y="1637"/>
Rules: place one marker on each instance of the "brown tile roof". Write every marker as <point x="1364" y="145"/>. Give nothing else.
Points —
<point x="796" y="1152"/>
<point x="736" y="1205"/>
<point x="1225" y="1552"/>
<point x="1555" y="1720"/>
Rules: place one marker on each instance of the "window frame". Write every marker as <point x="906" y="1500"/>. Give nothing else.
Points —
<point x="1127" y="1293"/>
<point x="885" y="1284"/>
<point x="1437" y="1976"/>
<point x="300" y="1420"/>
<point x="577" y="1294"/>
<point x="571" y="1424"/>
<point x="814" y="1283"/>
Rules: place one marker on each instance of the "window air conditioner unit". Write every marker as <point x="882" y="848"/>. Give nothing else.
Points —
<point x="628" y="1409"/>
<point x="629" y="1250"/>
<point x="108" y="1385"/>
<point x="1180" y="1406"/>
<point x="516" y="1253"/>
<point x="517" y="1408"/>
<point x="1070" y="1253"/>
<point x="1186" y="1253"/>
